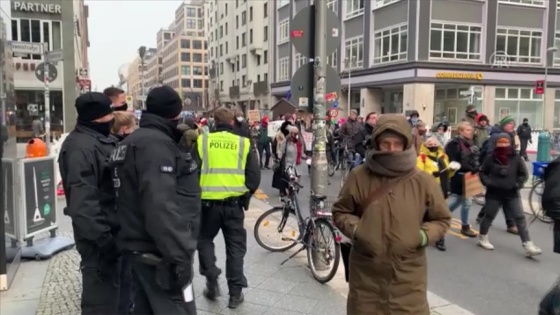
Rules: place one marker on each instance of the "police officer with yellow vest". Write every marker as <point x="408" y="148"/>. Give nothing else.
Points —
<point x="229" y="175"/>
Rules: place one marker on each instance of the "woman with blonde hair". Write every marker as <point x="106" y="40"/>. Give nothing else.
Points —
<point x="125" y="124"/>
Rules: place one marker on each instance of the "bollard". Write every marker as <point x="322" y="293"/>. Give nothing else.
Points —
<point x="544" y="146"/>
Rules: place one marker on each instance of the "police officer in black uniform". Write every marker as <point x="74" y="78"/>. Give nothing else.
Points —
<point x="226" y="214"/>
<point x="88" y="187"/>
<point x="158" y="206"/>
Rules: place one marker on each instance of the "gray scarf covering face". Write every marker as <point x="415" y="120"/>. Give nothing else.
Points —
<point x="391" y="164"/>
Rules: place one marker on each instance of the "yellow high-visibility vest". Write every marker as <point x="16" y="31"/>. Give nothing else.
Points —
<point x="224" y="157"/>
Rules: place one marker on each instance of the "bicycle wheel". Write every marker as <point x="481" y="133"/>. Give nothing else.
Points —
<point x="320" y="257"/>
<point x="331" y="168"/>
<point x="535" y="203"/>
<point x="280" y="223"/>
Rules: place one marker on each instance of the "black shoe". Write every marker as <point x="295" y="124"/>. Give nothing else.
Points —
<point x="236" y="300"/>
<point x="441" y="245"/>
<point x="212" y="290"/>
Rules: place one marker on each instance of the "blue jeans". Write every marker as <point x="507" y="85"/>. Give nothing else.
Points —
<point x="455" y="201"/>
<point x="357" y="160"/>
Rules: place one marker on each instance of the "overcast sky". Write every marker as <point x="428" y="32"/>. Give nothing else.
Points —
<point x="118" y="28"/>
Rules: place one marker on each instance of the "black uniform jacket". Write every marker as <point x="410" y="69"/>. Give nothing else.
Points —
<point x="157" y="191"/>
<point x="86" y="177"/>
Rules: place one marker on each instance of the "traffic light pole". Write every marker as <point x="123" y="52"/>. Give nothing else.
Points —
<point x="47" y="96"/>
<point x="319" y="169"/>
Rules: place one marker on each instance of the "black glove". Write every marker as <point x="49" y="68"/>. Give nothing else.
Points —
<point x="436" y="174"/>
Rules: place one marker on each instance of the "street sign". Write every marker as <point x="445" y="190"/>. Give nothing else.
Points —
<point x="24" y="48"/>
<point x="302" y="29"/>
<point x="40" y="72"/>
<point x="465" y="93"/>
<point x="539" y="87"/>
<point x="302" y="86"/>
<point x="129" y="99"/>
<point x="333" y="113"/>
<point x="54" y="56"/>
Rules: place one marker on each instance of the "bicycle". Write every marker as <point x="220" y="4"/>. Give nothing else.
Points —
<point x="346" y="163"/>
<point x="535" y="194"/>
<point x="306" y="232"/>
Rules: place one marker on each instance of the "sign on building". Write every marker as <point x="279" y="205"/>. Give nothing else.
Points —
<point x="33" y="7"/>
<point x="25" y="48"/>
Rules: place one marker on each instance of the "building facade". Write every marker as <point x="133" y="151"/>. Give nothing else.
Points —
<point x="438" y="57"/>
<point x="238" y="34"/>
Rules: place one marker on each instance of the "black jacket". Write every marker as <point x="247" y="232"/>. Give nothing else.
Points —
<point x="551" y="194"/>
<point x="158" y="192"/>
<point x="466" y="153"/>
<point x="503" y="181"/>
<point x="240" y="129"/>
<point x="524" y="132"/>
<point x="362" y="139"/>
<point x="86" y="177"/>
<point x="252" y="169"/>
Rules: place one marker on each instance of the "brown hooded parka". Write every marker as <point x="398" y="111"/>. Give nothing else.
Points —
<point x="388" y="268"/>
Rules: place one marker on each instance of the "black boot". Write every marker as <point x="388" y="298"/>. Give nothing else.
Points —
<point x="441" y="245"/>
<point x="212" y="290"/>
<point x="236" y="300"/>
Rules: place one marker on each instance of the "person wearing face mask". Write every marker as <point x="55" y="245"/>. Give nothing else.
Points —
<point x="504" y="174"/>
<point x="159" y="207"/>
<point x="118" y="99"/>
<point x="434" y="161"/>
<point x="90" y="200"/>
<point x="240" y="126"/>
<point x="364" y="136"/>
<point x="125" y="124"/>
<point x="525" y="136"/>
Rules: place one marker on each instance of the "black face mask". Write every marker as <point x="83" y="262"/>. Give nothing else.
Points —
<point x="122" y="107"/>
<point x="103" y="128"/>
<point x="525" y="123"/>
<point x="472" y="114"/>
<point x="433" y="149"/>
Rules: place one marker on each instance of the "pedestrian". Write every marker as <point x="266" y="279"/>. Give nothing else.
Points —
<point x="287" y="153"/>
<point x="388" y="272"/>
<point x="441" y="134"/>
<point x="462" y="150"/>
<point x="117" y="97"/>
<point x="525" y="135"/>
<point x="481" y="130"/>
<point x="264" y="143"/>
<point x="90" y="200"/>
<point x="434" y="161"/>
<point x="229" y="176"/>
<point x="38" y="128"/>
<point x="240" y="126"/>
<point x="504" y="174"/>
<point x="190" y="134"/>
<point x="350" y="130"/>
<point x="158" y="206"/>
<point x="364" y="136"/>
<point x="124" y="125"/>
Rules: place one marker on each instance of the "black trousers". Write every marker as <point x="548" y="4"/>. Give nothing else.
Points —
<point x="345" y="249"/>
<point x="264" y="149"/>
<point x="523" y="147"/>
<point x="229" y="219"/>
<point x="126" y="296"/>
<point x="510" y="222"/>
<point x="100" y="281"/>
<point x="150" y="299"/>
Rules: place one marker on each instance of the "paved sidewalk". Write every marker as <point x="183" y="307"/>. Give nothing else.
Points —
<point x="273" y="289"/>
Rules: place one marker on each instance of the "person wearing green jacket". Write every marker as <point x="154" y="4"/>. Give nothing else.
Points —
<point x="481" y="130"/>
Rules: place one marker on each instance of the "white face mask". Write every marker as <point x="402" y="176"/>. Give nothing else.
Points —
<point x="240" y="118"/>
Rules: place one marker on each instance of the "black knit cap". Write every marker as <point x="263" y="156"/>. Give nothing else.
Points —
<point x="164" y="102"/>
<point x="93" y="105"/>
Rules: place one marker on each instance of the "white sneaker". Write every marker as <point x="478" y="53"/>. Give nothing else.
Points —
<point x="531" y="250"/>
<point x="484" y="242"/>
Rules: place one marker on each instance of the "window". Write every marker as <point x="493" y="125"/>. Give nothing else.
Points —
<point x="390" y="44"/>
<point x="226" y="27"/>
<point x="300" y="60"/>
<point x="197" y="70"/>
<point x="556" y="124"/>
<point x="283" y="69"/>
<point x="354" y="50"/>
<point x="539" y="3"/>
<point x="283" y="32"/>
<point x="333" y="5"/>
<point x="282" y="3"/>
<point x="221" y="68"/>
<point x="197" y="58"/>
<point x="191" y="24"/>
<point x="221" y="31"/>
<point x="453" y="41"/>
<point x="15" y="30"/>
<point x="243" y="18"/>
<point x="243" y="61"/>
<point x="250" y="13"/>
<point x="196" y="44"/>
<point x="201" y="25"/>
<point x="56" y="35"/>
<point x="243" y="40"/>
<point x="221" y="85"/>
<point x="185" y="57"/>
<point x="237" y="21"/>
<point x="191" y="12"/>
<point x="250" y="36"/>
<point x="185" y="43"/>
<point x="519" y="103"/>
<point x="227" y="50"/>
<point x="25" y="30"/>
<point x="265" y="9"/>
<point x="46" y="33"/>
<point x="197" y="83"/>
<point x="382" y="3"/>
<point x="185" y="70"/>
<point x="221" y="50"/>
<point x="236" y="42"/>
<point x="265" y="57"/>
<point x="332" y="60"/>
<point x="36" y="31"/>
<point x="522" y="46"/>
<point x="556" y="56"/>
<point x="186" y="82"/>
<point x="265" y="33"/>
<point x="354" y="8"/>
<point x="244" y="80"/>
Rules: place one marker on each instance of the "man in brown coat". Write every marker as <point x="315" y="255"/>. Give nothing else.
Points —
<point x="388" y="268"/>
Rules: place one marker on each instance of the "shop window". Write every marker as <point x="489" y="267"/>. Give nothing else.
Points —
<point x="451" y="103"/>
<point x="24" y="118"/>
<point x="522" y="46"/>
<point x="519" y="103"/>
<point x="354" y="52"/>
<point x="455" y="41"/>
<point x="390" y="44"/>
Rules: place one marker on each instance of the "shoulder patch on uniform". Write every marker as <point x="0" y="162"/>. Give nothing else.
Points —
<point x="166" y="169"/>
<point x="119" y="153"/>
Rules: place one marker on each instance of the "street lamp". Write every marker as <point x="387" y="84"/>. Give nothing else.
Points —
<point x="142" y="55"/>
<point x="349" y="64"/>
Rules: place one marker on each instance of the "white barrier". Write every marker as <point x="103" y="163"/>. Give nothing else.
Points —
<point x="55" y="151"/>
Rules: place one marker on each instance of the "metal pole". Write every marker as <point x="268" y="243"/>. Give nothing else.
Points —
<point x="319" y="162"/>
<point x="143" y="83"/>
<point x="349" y="86"/>
<point x="545" y="80"/>
<point x="47" y="96"/>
